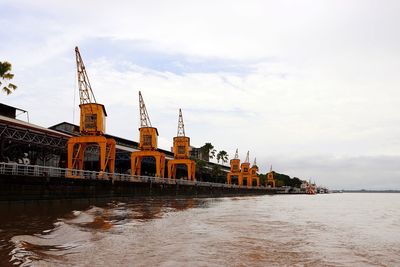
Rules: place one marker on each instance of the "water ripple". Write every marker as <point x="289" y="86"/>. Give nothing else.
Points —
<point x="252" y="231"/>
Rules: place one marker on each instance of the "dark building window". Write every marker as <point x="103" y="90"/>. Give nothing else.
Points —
<point x="90" y="121"/>
<point x="147" y="140"/>
<point x="181" y="149"/>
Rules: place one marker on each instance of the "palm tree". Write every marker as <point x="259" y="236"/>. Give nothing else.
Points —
<point x="223" y="156"/>
<point x="5" y="76"/>
<point x="208" y="150"/>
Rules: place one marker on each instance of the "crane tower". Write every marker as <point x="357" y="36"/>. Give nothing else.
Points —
<point x="91" y="127"/>
<point x="245" y="171"/>
<point x="181" y="152"/>
<point x="270" y="178"/>
<point x="235" y="169"/>
<point x="254" y="175"/>
<point x="147" y="144"/>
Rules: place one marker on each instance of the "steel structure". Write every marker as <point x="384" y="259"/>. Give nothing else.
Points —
<point x="144" y="117"/>
<point x="147" y="144"/>
<point x="28" y="136"/>
<point x="181" y="153"/>
<point x="85" y="89"/>
<point x="92" y="126"/>
<point x="181" y="125"/>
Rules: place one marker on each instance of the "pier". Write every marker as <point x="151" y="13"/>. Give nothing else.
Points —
<point x="30" y="182"/>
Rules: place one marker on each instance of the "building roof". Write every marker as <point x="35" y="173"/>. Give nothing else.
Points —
<point x="8" y="106"/>
<point x="32" y="127"/>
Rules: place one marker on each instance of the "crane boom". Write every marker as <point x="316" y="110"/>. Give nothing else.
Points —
<point x="181" y="125"/>
<point x="236" y="154"/>
<point x="85" y="90"/>
<point x="144" y="117"/>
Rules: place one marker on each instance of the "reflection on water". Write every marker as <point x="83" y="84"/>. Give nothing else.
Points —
<point x="322" y="230"/>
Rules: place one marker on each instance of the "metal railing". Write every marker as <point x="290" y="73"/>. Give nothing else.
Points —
<point x="15" y="169"/>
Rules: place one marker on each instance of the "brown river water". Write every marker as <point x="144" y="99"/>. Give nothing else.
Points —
<point x="346" y="229"/>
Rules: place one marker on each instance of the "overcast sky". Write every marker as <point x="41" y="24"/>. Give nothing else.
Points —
<point x="311" y="87"/>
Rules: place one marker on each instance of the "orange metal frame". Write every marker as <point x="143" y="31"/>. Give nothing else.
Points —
<point x="190" y="164"/>
<point x="254" y="176"/>
<point x="181" y="157"/>
<point x="270" y="179"/>
<point x="92" y="128"/>
<point x="245" y="174"/>
<point x="148" y="148"/>
<point x="136" y="162"/>
<point x="76" y="152"/>
<point x="235" y="171"/>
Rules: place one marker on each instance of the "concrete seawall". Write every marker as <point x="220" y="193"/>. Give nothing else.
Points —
<point x="17" y="188"/>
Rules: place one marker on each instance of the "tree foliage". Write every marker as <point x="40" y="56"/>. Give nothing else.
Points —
<point x="200" y="165"/>
<point x="285" y="180"/>
<point x="216" y="171"/>
<point x="5" y="77"/>
<point x="281" y="180"/>
<point x="208" y="149"/>
<point x="222" y="156"/>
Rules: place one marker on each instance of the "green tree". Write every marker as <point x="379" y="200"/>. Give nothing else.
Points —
<point x="216" y="172"/>
<point x="263" y="178"/>
<point x="5" y="77"/>
<point x="200" y="168"/>
<point x="223" y="156"/>
<point x="279" y="183"/>
<point x="208" y="150"/>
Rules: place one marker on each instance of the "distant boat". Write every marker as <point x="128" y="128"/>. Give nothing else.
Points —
<point x="310" y="189"/>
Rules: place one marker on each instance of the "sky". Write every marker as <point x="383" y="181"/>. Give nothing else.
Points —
<point x="309" y="87"/>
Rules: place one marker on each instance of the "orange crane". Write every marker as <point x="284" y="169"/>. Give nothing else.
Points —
<point x="254" y="175"/>
<point x="235" y="169"/>
<point x="245" y="171"/>
<point x="270" y="178"/>
<point x="92" y="126"/>
<point x="181" y="152"/>
<point x="147" y="144"/>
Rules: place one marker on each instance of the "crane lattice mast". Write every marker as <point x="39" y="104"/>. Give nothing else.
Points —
<point x="85" y="90"/>
<point x="144" y="117"/>
<point x="181" y="125"/>
<point x="236" y="154"/>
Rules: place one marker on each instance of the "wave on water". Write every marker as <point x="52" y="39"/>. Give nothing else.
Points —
<point x="69" y="235"/>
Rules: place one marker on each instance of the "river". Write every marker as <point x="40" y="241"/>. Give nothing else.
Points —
<point x="348" y="229"/>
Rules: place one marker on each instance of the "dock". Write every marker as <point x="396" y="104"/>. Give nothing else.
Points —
<point x="30" y="182"/>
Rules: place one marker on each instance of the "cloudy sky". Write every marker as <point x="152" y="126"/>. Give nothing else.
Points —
<point x="311" y="87"/>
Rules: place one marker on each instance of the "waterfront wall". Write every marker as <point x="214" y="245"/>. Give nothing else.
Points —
<point x="15" y="188"/>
